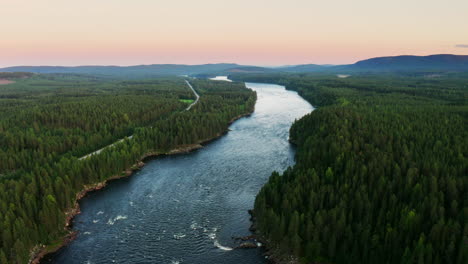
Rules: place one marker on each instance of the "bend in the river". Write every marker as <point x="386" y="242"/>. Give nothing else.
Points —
<point x="187" y="208"/>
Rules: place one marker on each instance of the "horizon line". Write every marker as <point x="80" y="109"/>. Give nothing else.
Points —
<point x="217" y="63"/>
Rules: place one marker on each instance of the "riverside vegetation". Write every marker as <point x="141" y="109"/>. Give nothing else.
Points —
<point x="48" y="121"/>
<point x="381" y="173"/>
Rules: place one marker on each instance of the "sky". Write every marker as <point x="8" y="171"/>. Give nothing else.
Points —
<point x="250" y="32"/>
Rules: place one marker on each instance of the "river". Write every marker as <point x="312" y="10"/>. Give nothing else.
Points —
<point x="186" y="208"/>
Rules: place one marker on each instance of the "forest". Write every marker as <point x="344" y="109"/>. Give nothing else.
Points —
<point x="49" y="121"/>
<point x="381" y="171"/>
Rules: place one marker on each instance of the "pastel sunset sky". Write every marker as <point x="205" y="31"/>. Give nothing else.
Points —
<point x="255" y="32"/>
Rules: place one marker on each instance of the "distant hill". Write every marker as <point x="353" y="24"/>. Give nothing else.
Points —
<point x="250" y="69"/>
<point x="15" y="75"/>
<point x="442" y="62"/>
<point x="128" y="71"/>
<point x="304" y="68"/>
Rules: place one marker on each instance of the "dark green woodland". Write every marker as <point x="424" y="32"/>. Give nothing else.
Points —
<point x="49" y="121"/>
<point x="381" y="173"/>
<point x="381" y="170"/>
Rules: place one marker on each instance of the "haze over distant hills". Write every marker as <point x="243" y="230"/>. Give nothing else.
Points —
<point x="442" y="62"/>
<point x="134" y="71"/>
<point x="401" y="63"/>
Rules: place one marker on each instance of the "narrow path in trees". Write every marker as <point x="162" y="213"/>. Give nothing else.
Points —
<point x="130" y="137"/>
<point x="196" y="95"/>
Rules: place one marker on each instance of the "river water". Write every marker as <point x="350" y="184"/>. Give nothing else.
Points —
<point x="187" y="208"/>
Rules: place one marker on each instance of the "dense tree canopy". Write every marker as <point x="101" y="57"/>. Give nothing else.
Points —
<point x="381" y="173"/>
<point x="49" y="121"/>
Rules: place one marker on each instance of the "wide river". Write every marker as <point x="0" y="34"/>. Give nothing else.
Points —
<point x="186" y="208"/>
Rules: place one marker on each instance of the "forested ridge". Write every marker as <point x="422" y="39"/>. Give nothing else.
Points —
<point x="15" y="75"/>
<point x="49" y="121"/>
<point x="381" y="173"/>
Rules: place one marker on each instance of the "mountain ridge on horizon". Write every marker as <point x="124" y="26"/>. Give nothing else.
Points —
<point x="436" y="62"/>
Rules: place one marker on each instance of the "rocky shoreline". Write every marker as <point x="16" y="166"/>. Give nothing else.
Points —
<point x="271" y="253"/>
<point x="39" y="252"/>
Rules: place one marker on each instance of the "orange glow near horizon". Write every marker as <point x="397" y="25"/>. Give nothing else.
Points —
<point x="261" y="32"/>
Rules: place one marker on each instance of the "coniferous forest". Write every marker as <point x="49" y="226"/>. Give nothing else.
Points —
<point x="381" y="173"/>
<point x="49" y="121"/>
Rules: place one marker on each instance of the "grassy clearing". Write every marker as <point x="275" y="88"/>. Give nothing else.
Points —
<point x="188" y="101"/>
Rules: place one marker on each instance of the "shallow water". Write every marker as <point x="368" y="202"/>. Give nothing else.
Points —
<point x="186" y="208"/>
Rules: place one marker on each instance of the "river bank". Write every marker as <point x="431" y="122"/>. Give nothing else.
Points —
<point x="272" y="254"/>
<point x="40" y="252"/>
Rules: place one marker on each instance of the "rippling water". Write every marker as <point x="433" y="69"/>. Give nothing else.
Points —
<point x="186" y="208"/>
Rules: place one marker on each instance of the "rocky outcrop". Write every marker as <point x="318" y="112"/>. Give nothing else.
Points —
<point x="247" y="245"/>
<point x="245" y="238"/>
